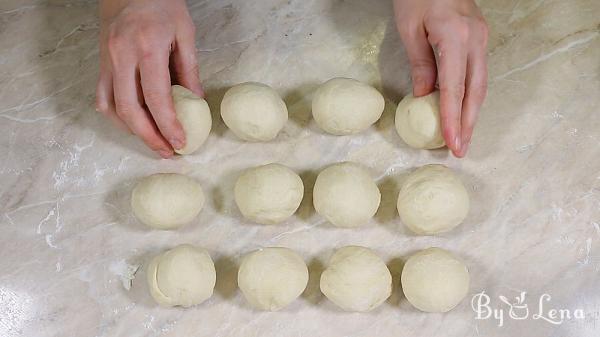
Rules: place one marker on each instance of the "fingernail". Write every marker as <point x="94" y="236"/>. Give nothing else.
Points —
<point x="176" y="143"/>
<point x="418" y="86"/>
<point x="165" y="153"/>
<point x="457" y="143"/>
<point x="465" y="147"/>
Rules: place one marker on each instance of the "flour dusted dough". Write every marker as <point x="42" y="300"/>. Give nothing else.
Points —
<point x="184" y="275"/>
<point x="434" y="280"/>
<point x="268" y="194"/>
<point x="167" y="200"/>
<point x="194" y="115"/>
<point x="432" y="200"/>
<point x="253" y="111"/>
<point x="346" y="195"/>
<point x="272" y="278"/>
<point x="356" y="279"/>
<point x="418" y="121"/>
<point x="343" y="106"/>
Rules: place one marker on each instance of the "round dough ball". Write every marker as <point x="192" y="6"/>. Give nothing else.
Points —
<point x="268" y="194"/>
<point x="167" y="200"/>
<point x="343" y="106"/>
<point x="253" y="111"/>
<point x="346" y="195"/>
<point x="434" y="280"/>
<point x="356" y="279"/>
<point x="184" y="275"/>
<point x="432" y="200"/>
<point x="418" y="121"/>
<point x="272" y="278"/>
<point x="194" y="115"/>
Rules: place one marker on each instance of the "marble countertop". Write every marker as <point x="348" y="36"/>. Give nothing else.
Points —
<point x="69" y="242"/>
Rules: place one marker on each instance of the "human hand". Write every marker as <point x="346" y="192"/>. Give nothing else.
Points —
<point x="458" y="33"/>
<point x="142" y="44"/>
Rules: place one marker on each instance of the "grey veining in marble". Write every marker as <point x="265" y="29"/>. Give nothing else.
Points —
<point x="69" y="243"/>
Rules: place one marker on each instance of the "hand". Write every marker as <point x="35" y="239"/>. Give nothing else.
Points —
<point x="456" y="30"/>
<point x="140" y="42"/>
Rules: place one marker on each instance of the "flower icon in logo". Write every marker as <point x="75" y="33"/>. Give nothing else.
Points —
<point x="518" y="309"/>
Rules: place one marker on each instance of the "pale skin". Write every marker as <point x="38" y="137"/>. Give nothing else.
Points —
<point x="145" y="45"/>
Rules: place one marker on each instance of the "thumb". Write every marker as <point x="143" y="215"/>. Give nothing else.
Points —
<point x="185" y="63"/>
<point x="421" y="58"/>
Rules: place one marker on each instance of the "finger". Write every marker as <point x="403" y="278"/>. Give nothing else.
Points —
<point x="185" y="62"/>
<point x="452" y="71"/>
<point x="476" y="89"/>
<point x="421" y="58"/>
<point x="128" y="103"/>
<point x="105" y="102"/>
<point x="156" y="88"/>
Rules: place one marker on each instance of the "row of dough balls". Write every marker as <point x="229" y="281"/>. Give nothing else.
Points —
<point x="341" y="106"/>
<point x="431" y="200"/>
<point x="356" y="279"/>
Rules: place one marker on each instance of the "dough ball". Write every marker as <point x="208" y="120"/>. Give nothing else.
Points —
<point x="194" y="115"/>
<point x="253" y="111"/>
<point x="167" y="200"/>
<point x="268" y="194"/>
<point x="432" y="200"/>
<point x="356" y="279"/>
<point x="418" y="121"/>
<point x="434" y="280"/>
<point x="272" y="278"/>
<point x="184" y="275"/>
<point x="343" y="106"/>
<point x="346" y="195"/>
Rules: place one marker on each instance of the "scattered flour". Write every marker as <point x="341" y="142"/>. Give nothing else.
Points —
<point x="125" y="272"/>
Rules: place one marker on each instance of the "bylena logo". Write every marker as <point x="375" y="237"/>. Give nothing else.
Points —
<point x="518" y="309"/>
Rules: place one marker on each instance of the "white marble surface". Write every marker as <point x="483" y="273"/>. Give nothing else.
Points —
<point x="533" y="171"/>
